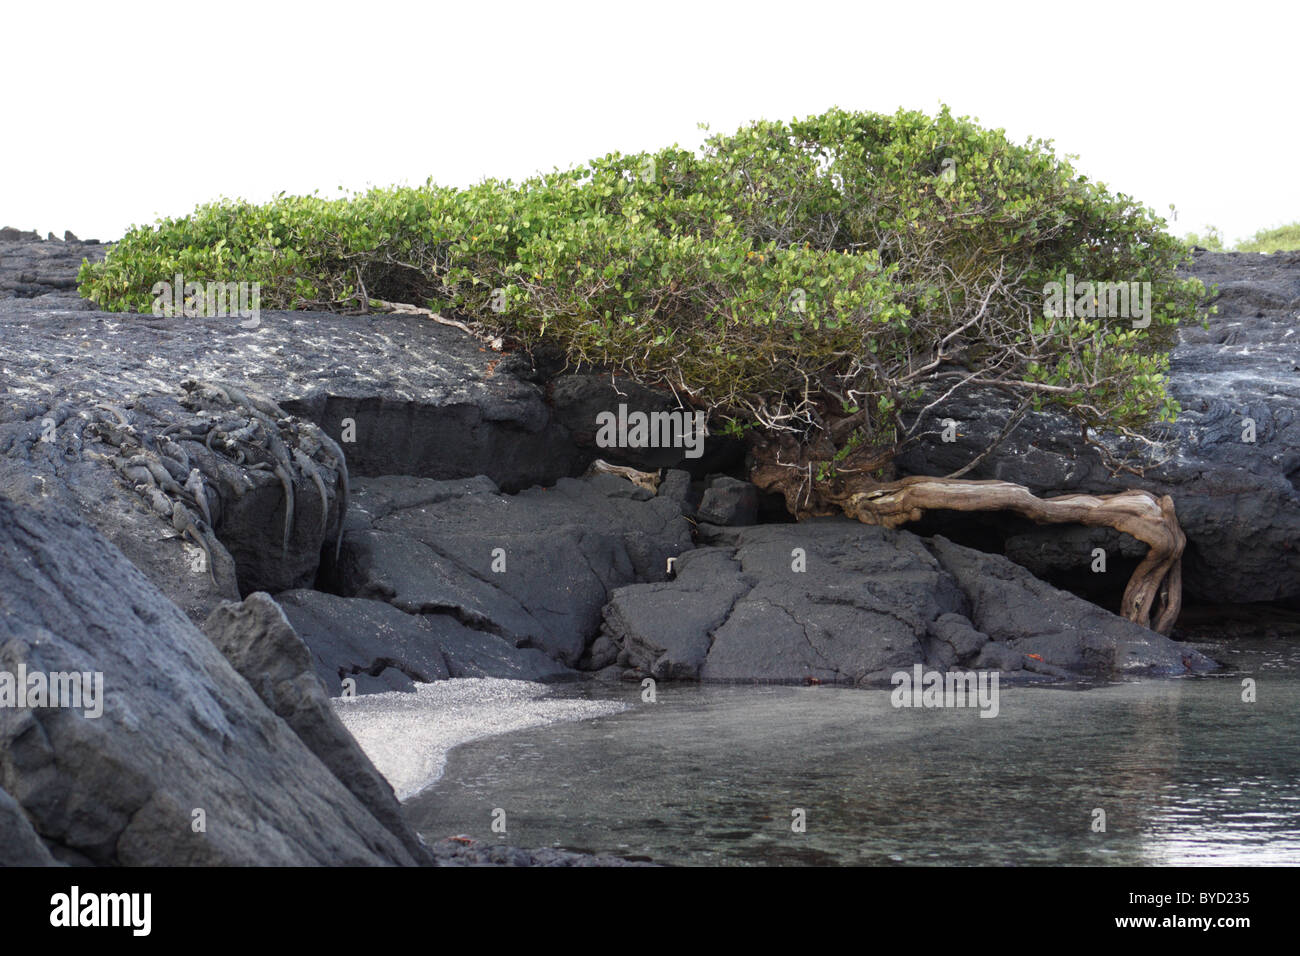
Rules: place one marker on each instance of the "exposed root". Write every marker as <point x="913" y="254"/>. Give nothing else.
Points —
<point x="1141" y="514"/>
<point x="784" y="465"/>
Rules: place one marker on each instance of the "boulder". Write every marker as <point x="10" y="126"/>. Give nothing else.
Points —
<point x="707" y="584"/>
<point x="260" y="643"/>
<point x="178" y="730"/>
<point x="66" y="454"/>
<point x="676" y="485"/>
<point x="1031" y="617"/>
<point x="19" y="843"/>
<point x="729" y="501"/>
<point x="533" y="568"/>
<point x="385" y="649"/>
<point x="833" y="600"/>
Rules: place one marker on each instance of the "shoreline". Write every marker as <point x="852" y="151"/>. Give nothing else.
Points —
<point x="408" y="735"/>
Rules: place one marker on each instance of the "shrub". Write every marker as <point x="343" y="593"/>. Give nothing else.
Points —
<point x="815" y="277"/>
<point x="1279" y="239"/>
<point x="1212" y="240"/>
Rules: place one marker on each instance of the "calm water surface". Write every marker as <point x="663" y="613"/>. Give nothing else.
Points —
<point x="1185" y="771"/>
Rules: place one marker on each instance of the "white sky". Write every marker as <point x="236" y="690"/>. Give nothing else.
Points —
<point x="119" y="112"/>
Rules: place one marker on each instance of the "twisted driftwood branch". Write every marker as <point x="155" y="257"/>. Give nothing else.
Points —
<point x="1147" y="518"/>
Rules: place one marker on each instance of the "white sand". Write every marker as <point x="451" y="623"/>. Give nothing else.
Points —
<point x="408" y="735"/>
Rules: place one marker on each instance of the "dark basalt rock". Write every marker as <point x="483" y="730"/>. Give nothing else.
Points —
<point x="729" y="501"/>
<point x="1070" y="635"/>
<point x="260" y="643"/>
<point x="385" y="649"/>
<point x="180" y="730"/>
<point x="534" y="568"/>
<point x="676" y="485"/>
<point x="19" y="843"/>
<point x="870" y="602"/>
<point x="674" y="645"/>
<point x="1239" y="503"/>
<point x="428" y="400"/>
<point x="73" y="473"/>
<point x="424" y="398"/>
<point x="65" y="453"/>
<point x="43" y="275"/>
<point x="579" y="398"/>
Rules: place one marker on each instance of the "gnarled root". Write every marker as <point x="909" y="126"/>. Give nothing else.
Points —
<point x="789" y="466"/>
<point x="1138" y="513"/>
<point x="784" y="465"/>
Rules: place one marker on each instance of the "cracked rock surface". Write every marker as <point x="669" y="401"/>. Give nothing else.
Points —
<point x="869" y="602"/>
<point x="1238" y="502"/>
<point x="529" y="571"/>
<point x="180" y="729"/>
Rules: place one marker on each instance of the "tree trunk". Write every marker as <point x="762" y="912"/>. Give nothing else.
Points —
<point x="783" y="466"/>
<point x="1138" y="513"/>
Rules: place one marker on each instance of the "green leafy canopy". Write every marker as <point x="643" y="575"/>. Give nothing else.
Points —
<point x="845" y="264"/>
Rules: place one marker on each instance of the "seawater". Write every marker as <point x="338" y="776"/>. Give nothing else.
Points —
<point x="1184" y="771"/>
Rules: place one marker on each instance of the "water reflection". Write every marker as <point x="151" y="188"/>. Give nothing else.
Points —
<point x="1185" y="772"/>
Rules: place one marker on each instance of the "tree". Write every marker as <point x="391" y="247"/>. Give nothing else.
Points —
<point x="822" y="287"/>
